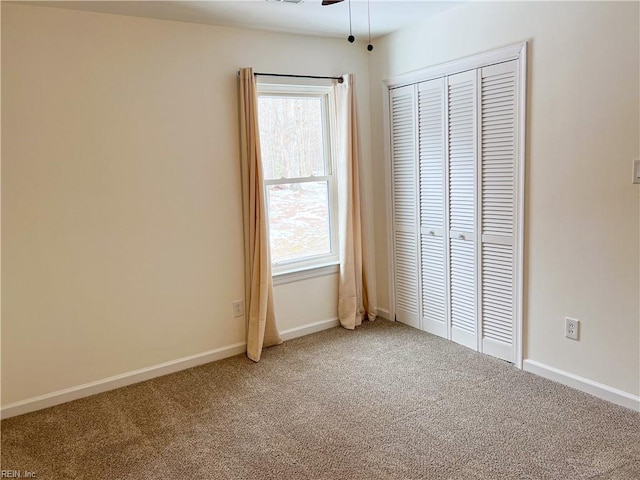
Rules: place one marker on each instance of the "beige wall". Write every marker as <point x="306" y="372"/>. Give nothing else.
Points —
<point x="582" y="212"/>
<point x="121" y="199"/>
<point x="121" y="214"/>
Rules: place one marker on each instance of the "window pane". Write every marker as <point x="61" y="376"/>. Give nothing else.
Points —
<point x="291" y="136"/>
<point x="298" y="220"/>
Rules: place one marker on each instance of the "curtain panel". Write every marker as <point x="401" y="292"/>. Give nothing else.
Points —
<point x="355" y="288"/>
<point x="262" y="330"/>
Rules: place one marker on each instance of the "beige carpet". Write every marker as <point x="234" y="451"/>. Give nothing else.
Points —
<point x="383" y="402"/>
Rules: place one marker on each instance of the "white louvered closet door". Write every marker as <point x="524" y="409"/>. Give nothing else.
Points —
<point x="431" y="151"/>
<point x="404" y="198"/>
<point x="498" y="192"/>
<point x="462" y="153"/>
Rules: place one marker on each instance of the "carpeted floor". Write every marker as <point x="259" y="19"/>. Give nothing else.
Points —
<point x="383" y="402"/>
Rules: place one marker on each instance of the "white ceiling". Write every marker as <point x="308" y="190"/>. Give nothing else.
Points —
<point x="308" y="17"/>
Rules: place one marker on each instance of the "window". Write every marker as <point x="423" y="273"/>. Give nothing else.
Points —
<point x="296" y="124"/>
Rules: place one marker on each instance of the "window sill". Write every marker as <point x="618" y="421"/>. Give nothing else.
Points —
<point x="305" y="274"/>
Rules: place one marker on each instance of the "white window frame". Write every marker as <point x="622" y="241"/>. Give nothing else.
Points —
<point x="287" y="269"/>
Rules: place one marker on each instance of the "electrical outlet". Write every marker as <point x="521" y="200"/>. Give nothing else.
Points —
<point x="571" y="328"/>
<point x="238" y="308"/>
<point x="636" y="171"/>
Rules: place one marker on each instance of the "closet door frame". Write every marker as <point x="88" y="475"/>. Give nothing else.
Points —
<point x="517" y="52"/>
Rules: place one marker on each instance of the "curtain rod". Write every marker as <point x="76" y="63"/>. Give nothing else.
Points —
<point x="339" y="79"/>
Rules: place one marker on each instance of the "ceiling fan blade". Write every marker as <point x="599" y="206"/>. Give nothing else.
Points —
<point x="330" y="2"/>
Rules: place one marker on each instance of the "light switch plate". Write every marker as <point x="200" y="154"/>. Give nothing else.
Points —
<point x="636" y="171"/>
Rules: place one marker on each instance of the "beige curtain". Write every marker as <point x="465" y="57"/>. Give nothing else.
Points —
<point x="261" y="325"/>
<point x="355" y="289"/>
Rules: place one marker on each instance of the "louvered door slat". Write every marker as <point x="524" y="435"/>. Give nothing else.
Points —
<point x="406" y="273"/>
<point x="462" y="158"/>
<point x="461" y="129"/>
<point x="431" y="133"/>
<point x="403" y="161"/>
<point x="498" y="164"/>
<point x="497" y="301"/>
<point x="404" y="185"/>
<point x="431" y="152"/>
<point x="434" y="285"/>
<point x="462" y="286"/>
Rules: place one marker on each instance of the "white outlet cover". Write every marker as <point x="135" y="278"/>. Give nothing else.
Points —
<point x="571" y="328"/>
<point x="238" y="308"/>
<point x="636" y="171"/>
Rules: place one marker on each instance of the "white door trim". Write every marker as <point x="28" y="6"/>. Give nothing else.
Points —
<point x="484" y="59"/>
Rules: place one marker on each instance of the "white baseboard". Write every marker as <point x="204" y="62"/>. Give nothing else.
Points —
<point x="596" y="389"/>
<point x="117" y="381"/>
<point x="309" y="328"/>
<point x="382" y="313"/>
<point x="136" y="376"/>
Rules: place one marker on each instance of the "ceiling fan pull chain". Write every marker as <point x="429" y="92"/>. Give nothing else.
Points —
<point x="369" y="47"/>
<point x="351" y="38"/>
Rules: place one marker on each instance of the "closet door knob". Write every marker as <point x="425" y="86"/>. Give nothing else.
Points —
<point x="431" y="232"/>
<point x="461" y="237"/>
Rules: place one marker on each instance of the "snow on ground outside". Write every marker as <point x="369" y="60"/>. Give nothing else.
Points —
<point x="298" y="221"/>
